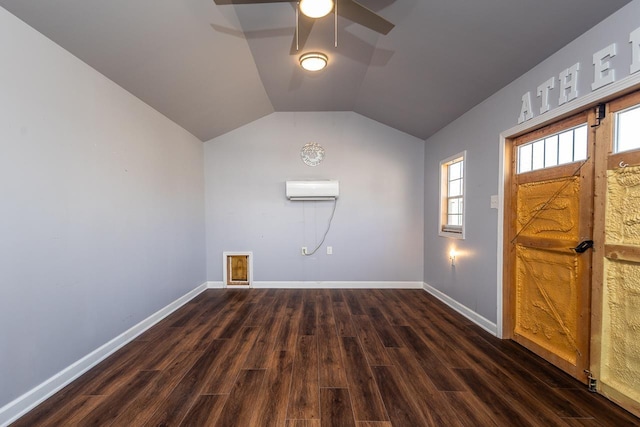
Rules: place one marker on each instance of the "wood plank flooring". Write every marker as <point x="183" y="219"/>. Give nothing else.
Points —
<point x="320" y="358"/>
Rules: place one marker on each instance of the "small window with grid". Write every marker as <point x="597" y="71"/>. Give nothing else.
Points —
<point x="452" y="176"/>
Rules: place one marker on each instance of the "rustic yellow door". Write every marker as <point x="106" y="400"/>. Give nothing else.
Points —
<point x="548" y="273"/>
<point x="616" y="302"/>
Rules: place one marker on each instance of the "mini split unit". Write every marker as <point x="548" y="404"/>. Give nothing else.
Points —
<point x="312" y="190"/>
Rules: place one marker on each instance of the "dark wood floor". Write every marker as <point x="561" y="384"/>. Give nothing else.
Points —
<point x="365" y="358"/>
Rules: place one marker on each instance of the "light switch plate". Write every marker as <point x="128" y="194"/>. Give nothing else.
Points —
<point x="494" y="201"/>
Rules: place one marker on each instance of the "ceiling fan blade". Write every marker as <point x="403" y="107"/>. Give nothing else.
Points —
<point x="359" y="14"/>
<point x="219" y="2"/>
<point x="305" y="24"/>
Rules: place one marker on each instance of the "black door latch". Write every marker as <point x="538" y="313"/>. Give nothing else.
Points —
<point x="583" y="246"/>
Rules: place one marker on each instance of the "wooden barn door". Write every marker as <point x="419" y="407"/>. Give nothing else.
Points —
<point x="616" y="299"/>
<point x="549" y="206"/>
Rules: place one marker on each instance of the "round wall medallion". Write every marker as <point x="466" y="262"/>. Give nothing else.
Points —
<point x="312" y="154"/>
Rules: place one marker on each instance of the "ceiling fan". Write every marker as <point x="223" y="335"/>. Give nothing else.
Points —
<point x="313" y="9"/>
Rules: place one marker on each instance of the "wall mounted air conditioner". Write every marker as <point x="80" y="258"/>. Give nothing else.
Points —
<point x="312" y="190"/>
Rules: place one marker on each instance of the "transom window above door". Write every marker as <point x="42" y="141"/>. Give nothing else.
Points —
<point x="561" y="148"/>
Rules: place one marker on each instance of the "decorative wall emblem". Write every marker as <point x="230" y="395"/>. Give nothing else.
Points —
<point x="312" y="154"/>
<point x="603" y="71"/>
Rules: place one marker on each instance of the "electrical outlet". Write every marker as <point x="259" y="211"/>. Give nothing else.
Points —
<point x="303" y="251"/>
<point x="329" y="250"/>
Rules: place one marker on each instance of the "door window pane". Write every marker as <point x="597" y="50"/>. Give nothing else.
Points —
<point x="627" y="130"/>
<point x="538" y="155"/>
<point x="551" y="151"/>
<point x="580" y="144"/>
<point x="565" y="148"/>
<point x="525" y="154"/>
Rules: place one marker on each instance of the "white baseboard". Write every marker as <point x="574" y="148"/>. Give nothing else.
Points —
<point x="485" y="324"/>
<point x="215" y="285"/>
<point x="338" y="285"/>
<point x="23" y="404"/>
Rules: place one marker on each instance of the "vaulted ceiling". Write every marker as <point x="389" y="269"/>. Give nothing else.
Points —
<point x="214" y="68"/>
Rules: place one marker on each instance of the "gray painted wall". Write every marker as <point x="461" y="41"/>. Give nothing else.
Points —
<point x="101" y="210"/>
<point x="473" y="281"/>
<point x="377" y="229"/>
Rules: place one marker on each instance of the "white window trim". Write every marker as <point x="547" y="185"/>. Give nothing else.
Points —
<point x="443" y="196"/>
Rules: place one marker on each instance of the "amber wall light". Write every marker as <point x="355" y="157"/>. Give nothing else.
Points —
<point x="313" y="61"/>
<point x="452" y="256"/>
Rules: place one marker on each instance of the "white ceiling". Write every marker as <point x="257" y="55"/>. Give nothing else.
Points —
<point x="213" y="68"/>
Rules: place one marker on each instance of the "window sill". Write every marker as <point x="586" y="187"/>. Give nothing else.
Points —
<point x="452" y="234"/>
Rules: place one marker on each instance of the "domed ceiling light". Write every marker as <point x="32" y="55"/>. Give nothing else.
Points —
<point x="313" y="61"/>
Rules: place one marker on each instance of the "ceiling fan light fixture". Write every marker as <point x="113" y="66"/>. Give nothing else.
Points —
<point x="313" y="61"/>
<point x="316" y="8"/>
